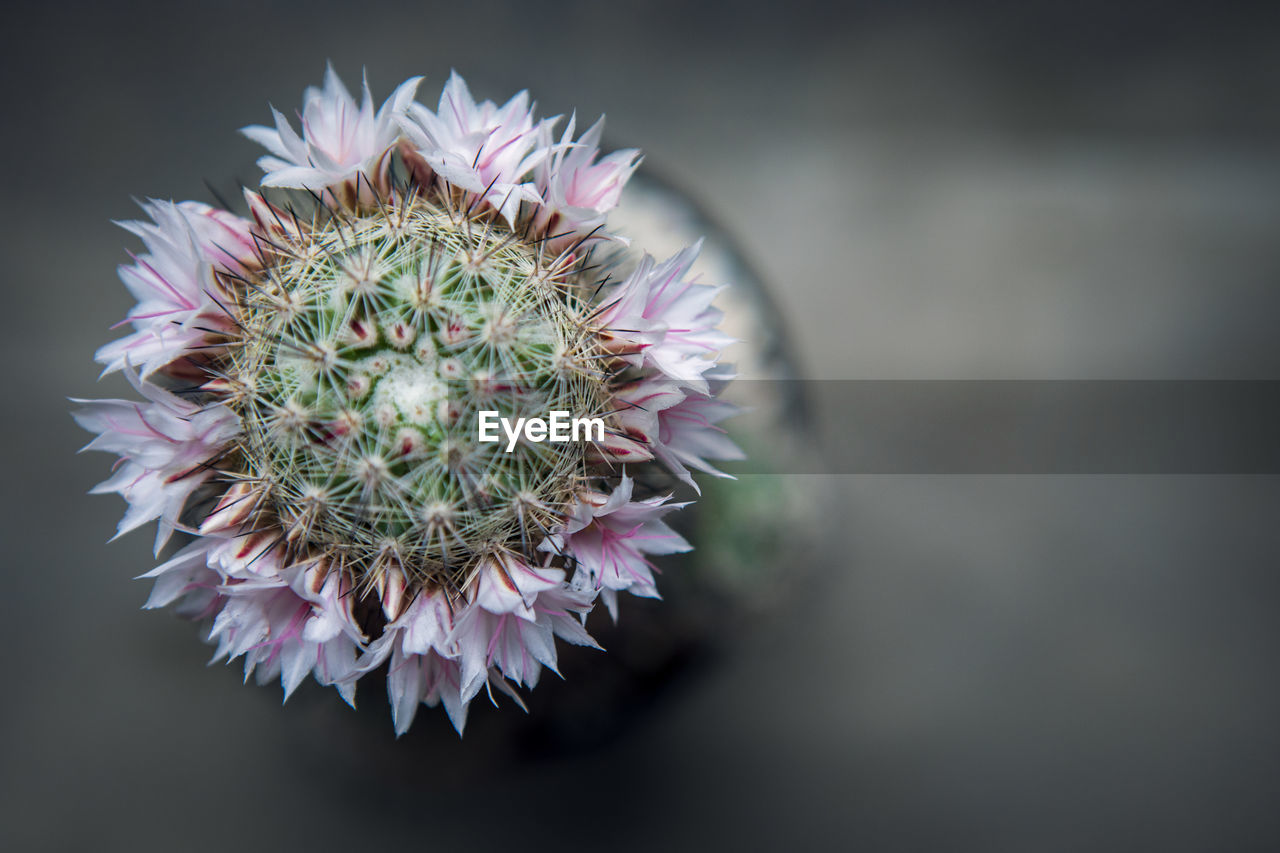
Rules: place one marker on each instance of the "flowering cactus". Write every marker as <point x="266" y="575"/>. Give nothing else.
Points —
<point x="315" y="374"/>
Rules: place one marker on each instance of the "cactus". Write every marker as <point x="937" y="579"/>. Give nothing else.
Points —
<point x="317" y="375"/>
<point x="371" y="349"/>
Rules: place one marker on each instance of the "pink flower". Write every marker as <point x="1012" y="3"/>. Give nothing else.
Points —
<point x="176" y="285"/>
<point x="187" y="580"/>
<point x="512" y="620"/>
<point x="164" y="447"/>
<point x="608" y="536"/>
<point x="285" y="621"/>
<point x="423" y="669"/>
<point x="656" y="318"/>
<point x="678" y="427"/>
<point x="482" y="148"/>
<point x="339" y="140"/>
<point x="281" y="633"/>
<point x="443" y="653"/>
<point x="424" y="679"/>
<point x="577" y="191"/>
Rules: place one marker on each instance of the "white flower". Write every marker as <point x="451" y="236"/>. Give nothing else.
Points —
<point x="164" y="446"/>
<point x="657" y="318"/>
<point x="424" y="679"/>
<point x="519" y="645"/>
<point x="506" y="584"/>
<point x="608" y="536"/>
<point x="482" y="148"/>
<point x="442" y="653"/>
<point x="186" y="578"/>
<point x="577" y="190"/>
<point x="179" y="309"/>
<point x="678" y="427"/>
<point x="423" y="667"/>
<point x="280" y="633"/>
<point x="511" y="620"/>
<point x="339" y="139"/>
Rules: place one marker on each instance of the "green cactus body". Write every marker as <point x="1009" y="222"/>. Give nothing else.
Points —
<point x="367" y="360"/>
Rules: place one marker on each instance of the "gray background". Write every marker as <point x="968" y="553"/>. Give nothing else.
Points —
<point x="997" y="663"/>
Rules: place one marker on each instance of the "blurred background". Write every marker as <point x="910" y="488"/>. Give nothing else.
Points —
<point x="930" y="191"/>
